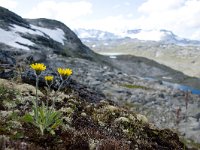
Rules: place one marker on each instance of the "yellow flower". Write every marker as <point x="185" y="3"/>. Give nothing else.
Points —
<point x="38" y="67"/>
<point x="68" y="71"/>
<point x="48" y="78"/>
<point x="64" y="72"/>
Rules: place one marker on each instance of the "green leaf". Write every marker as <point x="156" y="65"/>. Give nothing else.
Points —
<point x="18" y="135"/>
<point x="45" y="119"/>
<point x="28" y="118"/>
<point x="56" y="124"/>
<point x="155" y="132"/>
<point x="42" y="129"/>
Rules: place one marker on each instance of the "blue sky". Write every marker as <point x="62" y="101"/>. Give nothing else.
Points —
<point x="179" y="16"/>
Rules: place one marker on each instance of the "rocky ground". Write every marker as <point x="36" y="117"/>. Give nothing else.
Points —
<point x="164" y="106"/>
<point x="151" y="98"/>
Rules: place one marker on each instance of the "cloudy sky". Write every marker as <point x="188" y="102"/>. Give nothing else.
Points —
<point x="180" y="16"/>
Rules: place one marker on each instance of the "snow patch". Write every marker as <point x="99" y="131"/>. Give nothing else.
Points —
<point x="102" y="35"/>
<point x="56" y="34"/>
<point x="13" y="39"/>
<point x="25" y="30"/>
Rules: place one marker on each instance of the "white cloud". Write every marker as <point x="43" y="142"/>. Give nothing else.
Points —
<point x="63" y="11"/>
<point x="127" y="4"/>
<point x="156" y="5"/>
<point x="111" y="23"/>
<point x="180" y="16"/>
<point x="116" y="6"/>
<point x="10" y="4"/>
<point x="129" y="15"/>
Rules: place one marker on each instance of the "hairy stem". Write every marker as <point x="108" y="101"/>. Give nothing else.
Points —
<point x="36" y="112"/>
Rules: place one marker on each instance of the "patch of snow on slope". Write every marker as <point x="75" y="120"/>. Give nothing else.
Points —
<point x="25" y="30"/>
<point x="11" y="38"/>
<point x="57" y="34"/>
<point x="102" y="35"/>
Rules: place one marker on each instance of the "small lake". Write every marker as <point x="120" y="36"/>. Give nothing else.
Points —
<point x="178" y="86"/>
<point x="182" y="87"/>
<point x="111" y="55"/>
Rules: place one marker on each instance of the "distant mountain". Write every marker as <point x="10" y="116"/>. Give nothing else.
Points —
<point x="164" y="36"/>
<point x="92" y="34"/>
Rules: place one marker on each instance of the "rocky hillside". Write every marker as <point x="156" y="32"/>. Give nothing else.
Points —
<point x="120" y="81"/>
<point x="40" y="36"/>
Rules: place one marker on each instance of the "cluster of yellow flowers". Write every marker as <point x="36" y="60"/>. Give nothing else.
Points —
<point x="44" y="117"/>
<point x="39" y="67"/>
<point x="64" y="72"/>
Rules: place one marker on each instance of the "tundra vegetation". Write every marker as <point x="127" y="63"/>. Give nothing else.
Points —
<point x="53" y="117"/>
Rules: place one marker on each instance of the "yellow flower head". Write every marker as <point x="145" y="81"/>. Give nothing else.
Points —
<point x="64" y="72"/>
<point x="38" y="67"/>
<point x="48" y="78"/>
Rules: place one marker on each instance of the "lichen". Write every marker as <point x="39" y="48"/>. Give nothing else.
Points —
<point x="122" y="120"/>
<point x="142" y="118"/>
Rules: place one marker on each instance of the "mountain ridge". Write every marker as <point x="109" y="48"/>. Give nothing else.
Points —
<point x="162" y="35"/>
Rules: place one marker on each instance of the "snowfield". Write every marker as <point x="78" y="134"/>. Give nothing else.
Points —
<point x="57" y="34"/>
<point x="13" y="37"/>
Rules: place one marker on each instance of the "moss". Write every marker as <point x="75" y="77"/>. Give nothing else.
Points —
<point x="133" y="106"/>
<point x="110" y="108"/>
<point x="7" y="93"/>
<point x="131" y="86"/>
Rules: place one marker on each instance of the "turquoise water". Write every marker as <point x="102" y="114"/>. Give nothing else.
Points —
<point x="182" y="87"/>
<point x="188" y="88"/>
<point x="178" y="86"/>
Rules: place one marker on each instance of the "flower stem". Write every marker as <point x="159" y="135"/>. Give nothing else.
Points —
<point x="37" y="80"/>
<point x="63" y="81"/>
<point x="37" y="90"/>
<point x="48" y="92"/>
